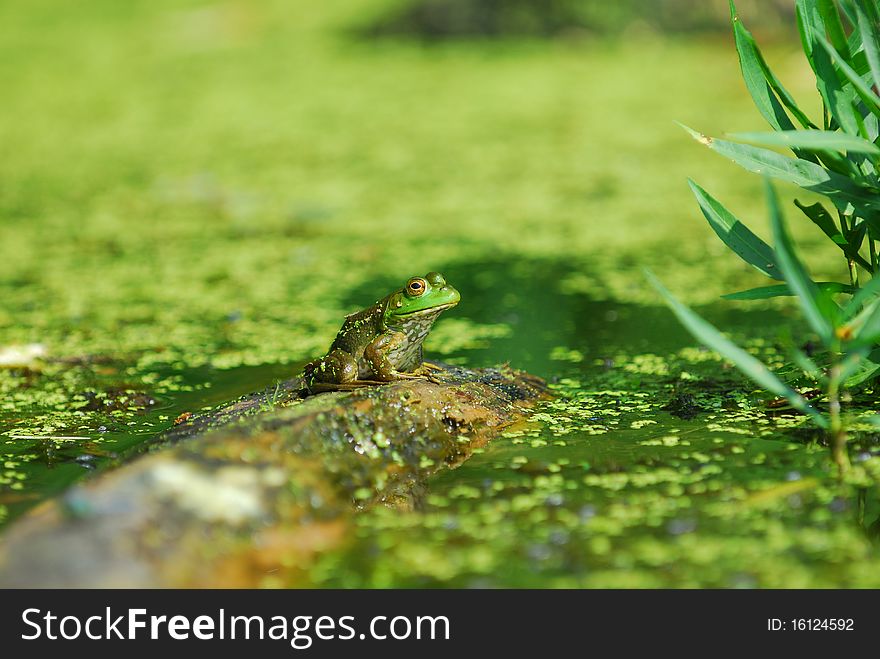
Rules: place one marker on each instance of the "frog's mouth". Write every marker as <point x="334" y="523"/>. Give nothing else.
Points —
<point x="430" y="311"/>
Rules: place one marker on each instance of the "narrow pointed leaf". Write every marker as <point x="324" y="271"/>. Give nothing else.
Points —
<point x="862" y="326"/>
<point x="868" y="22"/>
<point x="850" y="244"/>
<point x="810" y="176"/>
<point x="820" y="217"/>
<point x="833" y="26"/>
<point x="736" y="235"/>
<point x="854" y="364"/>
<point x="814" y="308"/>
<point x="749" y="365"/>
<point x="855" y="41"/>
<point x="872" y="101"/>
<point x="816" y="140"/>
<point x="866" y="325"/>
<point x="868" y="368"/>
<point x="762" y="84"/>
<point x="863" y="296"/>
<point x="807" y="365"/>
<point x="839" y="100"/>
<point x="808" y="21"/>
<point x="782" y="290"/>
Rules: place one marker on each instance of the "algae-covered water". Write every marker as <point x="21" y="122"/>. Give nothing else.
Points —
<point x="193" y="194"/>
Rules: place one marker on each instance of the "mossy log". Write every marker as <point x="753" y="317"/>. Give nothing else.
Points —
<point x="251" y="494"/>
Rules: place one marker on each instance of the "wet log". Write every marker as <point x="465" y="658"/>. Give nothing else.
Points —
<point x="251" y="494"/>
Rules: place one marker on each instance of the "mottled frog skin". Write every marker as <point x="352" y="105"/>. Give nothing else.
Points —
<point x="383" y="342"/>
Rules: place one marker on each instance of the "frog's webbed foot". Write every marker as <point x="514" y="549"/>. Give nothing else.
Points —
<point x="432" y="372"/>
<point x="429" y="376"/>
<point x="407" y="376"/>
<point x="321" y="387"/>
<point x="353" y="385"/>
<point x="417" y="375"/>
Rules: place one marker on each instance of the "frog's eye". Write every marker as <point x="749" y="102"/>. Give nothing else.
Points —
<point x="415" y="287"/>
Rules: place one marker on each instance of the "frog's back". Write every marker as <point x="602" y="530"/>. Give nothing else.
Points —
<point x="359" y="329"/>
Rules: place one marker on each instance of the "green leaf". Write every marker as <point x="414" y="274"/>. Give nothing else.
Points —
<point x="833" y="26"/>
<point x="872" y="101"/>
<point x="810" y="176"/>
<point x="849" y="244"/>
<point x="780" y="290"/>
<point x="815" y="306"/>
<point x="854" y="364"/>
<point x="762" y="84"/>
<point x="751" y="367"/>
<point x="820" y="217"/>
<point x="736" y="235"/>
<point x="867" y="369"/>
<point x="839" y="100"/>
<point x="809" y="21"/>
<point x="808" y="366"/>
<point x="868" y="23"/>
<point x="863" y="296"/>
<point x="816" y="140"/>
<point x="869" y="332"/>
<point x="854" y="41"/>
<point x="862" y="315"/>
<point x="866" y="325"/>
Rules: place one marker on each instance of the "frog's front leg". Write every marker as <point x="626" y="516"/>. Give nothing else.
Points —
<point x="377" y="355"/>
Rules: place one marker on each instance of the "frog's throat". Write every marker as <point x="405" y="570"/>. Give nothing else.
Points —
<point x="415" y="326"/>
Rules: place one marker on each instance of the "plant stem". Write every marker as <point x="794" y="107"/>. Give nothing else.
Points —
<point x="851" y="260"/>
<point x="873" y="247"/>
<point x="838" y="431"/>
<point x="860" y="509"/>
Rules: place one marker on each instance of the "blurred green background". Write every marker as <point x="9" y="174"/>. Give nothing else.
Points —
<point x="170" y="165"/>
<point x="194" y="193"/>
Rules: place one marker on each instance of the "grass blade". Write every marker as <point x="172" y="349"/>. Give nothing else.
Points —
<point x="815" y="306"/>
<point x="736" y="235"/>
<point x="749" y="365"/>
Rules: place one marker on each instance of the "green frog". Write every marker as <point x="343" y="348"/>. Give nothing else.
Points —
<point x="383" y="342"/>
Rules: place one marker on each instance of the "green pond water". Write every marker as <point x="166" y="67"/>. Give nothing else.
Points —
<point x="193" y="195"/>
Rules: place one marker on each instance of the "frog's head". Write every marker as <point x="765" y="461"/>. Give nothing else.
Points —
<point x="422" y="297"/>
